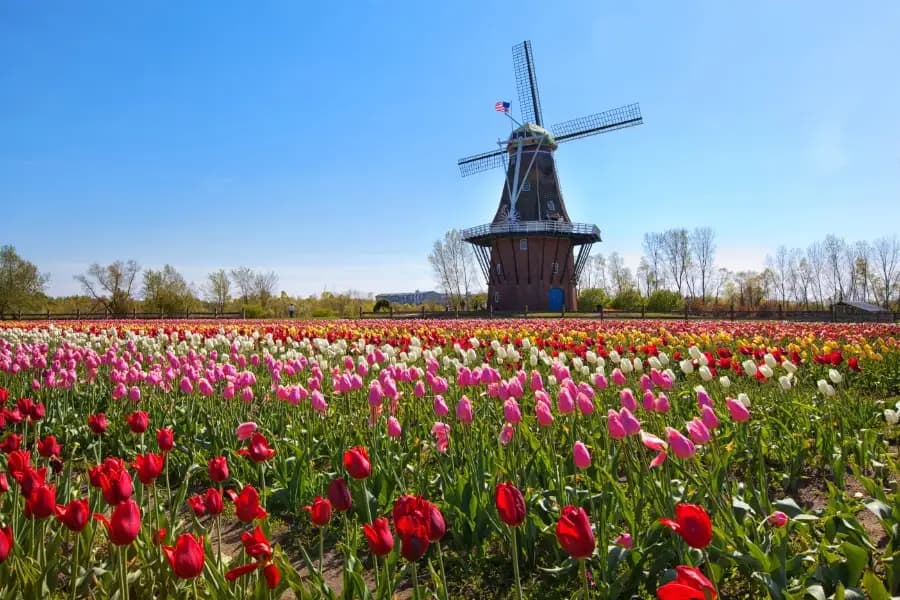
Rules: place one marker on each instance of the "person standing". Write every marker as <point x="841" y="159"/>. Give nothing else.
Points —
<point x="291" y="310"/>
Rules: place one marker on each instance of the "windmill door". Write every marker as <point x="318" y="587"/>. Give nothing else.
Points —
<point x="557" y="299"/>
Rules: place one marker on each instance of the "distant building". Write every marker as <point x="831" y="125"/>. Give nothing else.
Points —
<point x="417" y="298"/>
<point x="850" y="310"/>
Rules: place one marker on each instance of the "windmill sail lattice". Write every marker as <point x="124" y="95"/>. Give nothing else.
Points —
<point x="527" y="253"/>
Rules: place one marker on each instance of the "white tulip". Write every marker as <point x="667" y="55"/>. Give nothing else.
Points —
<point x="654" y="363"/>
<point x="767" y="371"/>
<point x="835" y="376"/>
<point x="749" y="367"/>
<point x="744" y="399"/>
<point x="687" y="367"/>
<point x="638" y="364"/>
<point x="724" y="381"/>
<point x="891" y="416"/>
<point x="614" y="356"/>
<point x="705" y="373"/>
<point x="551" y="379"/>
<point x="627" y="366"/>
<point x="785" y="382"/>
<point x="789" y="367"/>
<point x="770" y="360"/>
<point x="694" y="352"/>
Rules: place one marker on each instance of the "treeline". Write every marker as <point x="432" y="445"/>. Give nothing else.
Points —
<point x="679" y="266"/>
<point x="123" y="287"/>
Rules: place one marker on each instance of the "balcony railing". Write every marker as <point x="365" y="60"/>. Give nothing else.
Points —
<point x="586" y="230"/>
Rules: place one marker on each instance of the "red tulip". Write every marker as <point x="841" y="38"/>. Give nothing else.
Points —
<point x="197" y="504"/>
<point x="853" y="363"/>
<point x="4" y="483"/>
<point x="116" y="485"/>
<point x="29" y="479"/>
<point x="138" y="421"/>
<point x="356" y="461"/>
<point x="74" y="515"/>
<point x="41" y="503"/>
<point x="97" y="423"/>
<point x="339" y="494"/>
<point x="11" y="443"/>
<point x="574" y="533"/>
<point x="213" y="502"/>
<point x="247" y="506"/>
<point x="218" y="469"/>
<point x="378" y="534"/>
<point x="149" y="466"/>
<point x="187" y="556"/>
<point x="319" y="511"/>
<point x="418" y="523"/>
<point x="689" y="584"/>
<point x="258" y="449"/>
<point x="165" y="437"/>
<point x="692" y="524"/>
<point x="124" y="524"/>
<point x="272" y="575"/>
<point x="510" y="504"/>
<point x="256" y="544"/>
<point x="6" y="542"/>
<point x="48" y="447"/>
<point x="435" y="523"/>
<point x="414" y="542"/>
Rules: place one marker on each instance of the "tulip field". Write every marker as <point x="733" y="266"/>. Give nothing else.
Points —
<point x="449" y="459"/>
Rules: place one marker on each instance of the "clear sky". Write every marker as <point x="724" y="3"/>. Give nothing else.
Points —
<point x="320" y="140"/>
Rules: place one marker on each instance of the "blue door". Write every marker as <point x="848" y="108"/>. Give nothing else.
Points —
<point x="557" y="299"/>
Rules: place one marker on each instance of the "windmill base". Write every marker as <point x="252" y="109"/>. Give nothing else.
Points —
<point x="533" y="273"/>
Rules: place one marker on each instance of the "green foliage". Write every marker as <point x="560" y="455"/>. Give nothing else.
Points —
<point x="590" y="298"/>
<point x="255" y="311"/>
<point x="21" y="285"/>
<point x="627" y="299"/>
<point x="381" y="305"/>
<point x="664" y="301"/>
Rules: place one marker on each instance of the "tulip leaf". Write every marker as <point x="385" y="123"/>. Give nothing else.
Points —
<point x="789" y="507"/>
<point x="857" y="558"/>
<point x="879" y="509"/>
<point x="874" y="587"/>
<point x="817" y="592"/>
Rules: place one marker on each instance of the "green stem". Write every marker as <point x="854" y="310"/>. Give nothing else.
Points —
<point x="415" y="573"/>
<point x="586" y="593"/>
<point x="321" y="549"/>
<point x="369" y="520"/>
<point x="515" y="557"/>
<point x="74" y="575"/>
<point x="444" y="574"/>
<point x="123" y="578"/>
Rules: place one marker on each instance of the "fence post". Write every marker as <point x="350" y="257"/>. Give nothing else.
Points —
<point x="77" y="313"/>
<point x="685" y="311"/>
<point x="564" y="310"/>
<point x="134" y="313"/>
<point x="732" y="311"/>
<point x="643" y="310"/>
<point x="360" y="311"/>
<point x="48" y="314"/>
<point x="423" y="311"/>
<point x="243" y="312"/>
<point x="601" y="312"/>
<point x="491" y="311"/>
<point x="526" y="311"/>
<point x="391" y="314"/>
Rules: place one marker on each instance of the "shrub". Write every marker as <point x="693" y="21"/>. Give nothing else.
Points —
<point x="590" y="298"/>
<point x="664" y="301"/>
<point x="628" y="299"/>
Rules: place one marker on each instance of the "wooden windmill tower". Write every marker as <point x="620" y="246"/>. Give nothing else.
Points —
<point x="527" y="253"/>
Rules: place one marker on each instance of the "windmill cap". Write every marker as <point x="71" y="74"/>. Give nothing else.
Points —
<point x="532" y="134"/>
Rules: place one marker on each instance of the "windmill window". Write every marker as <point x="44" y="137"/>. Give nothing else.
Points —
<point x="555" y="268"/>
<point x="499" y="269"/>
<point x="496" y="297"/>
<point x="551" y="205"/>
<point x="523" y="244"/>
<point x="526" y="187"/>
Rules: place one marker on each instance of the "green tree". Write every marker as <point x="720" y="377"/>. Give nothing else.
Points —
<point x="21" y="284"/>
<point x="589" y="299"/>
<point x="111" y="285"/>
<point x="165" y="291"/>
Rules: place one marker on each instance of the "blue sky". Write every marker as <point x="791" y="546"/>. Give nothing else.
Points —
<point x="320" y="140"/>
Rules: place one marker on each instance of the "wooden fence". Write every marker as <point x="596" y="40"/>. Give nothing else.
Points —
<point x="100" y="316"/>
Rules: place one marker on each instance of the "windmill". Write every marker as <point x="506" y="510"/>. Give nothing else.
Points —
<point x="527" y="253"/>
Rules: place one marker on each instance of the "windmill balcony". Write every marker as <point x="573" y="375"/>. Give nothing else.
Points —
<point x="580" y="233"/>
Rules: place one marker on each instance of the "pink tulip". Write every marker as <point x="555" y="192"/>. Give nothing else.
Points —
<point x="618" y="377"/>
<point x="738" y="411"/>
<point x="375" y="393"/>
<point x="581" y="456"/>
<point x="703" y="398"/>
<point x="543" y="413"/>
<point x="646" y="382"/>
<point x="245" y="430"/>
<point x="441" y="433"/>
<point x="464" y="410"/>
<point x="629" y="422"/>
<point x="585" y="404"/>
<point x="393" y="427"/>
<point x="511" y="411"/>
<point x="708" y="416"/>
<point x="185" y="385"/>
<point x="247" y="394"/>
<point x="658" y="460"/>
<point x="626" y="399"/>
<point x="680" y="445"/>
<point x="651" y="441"/>
<point x="564" y="402"/>
<point x="537" y="382"/>
<point x="624" y="540"/>
<point x="614" y="425"/>
<point x="203" y="386"/>
<point x="119" y="391"/>
<point x="662" y="403"/>
<point x="698" y="431"/>
<point x="600" y="381"/>
<point x="440" y="406"/>
<point x="778" y="519"/>
<point x="506" y="434"/>
<point x="542" y="396"/>
<point x="228" y="391"/>
<point x="648" y="401"/>
<point x="419" y="389"/>
<point x="317" y="401"/>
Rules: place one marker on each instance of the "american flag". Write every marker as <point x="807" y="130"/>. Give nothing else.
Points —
<point x="502" y="106"/>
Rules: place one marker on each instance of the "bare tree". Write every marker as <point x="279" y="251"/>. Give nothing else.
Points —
<point x="676" y="249"/>
<point x="780" y="267"/>
<point x="646" y="277"/>
<point x="111" y="284"/>
<point x="264" y="285"/>
<point x="217" y="289"/>
<point x="886" y="256"/>
<point x="619" y="275"/>
<point x="703" y="252"/>
<point x="453" y="265"/>
<point x="654" y="244"/>
<point x="243" y="278"/>
<point x="815" y="258"/>
<point x="20" y="281"/>
<point x="833" y="247"/>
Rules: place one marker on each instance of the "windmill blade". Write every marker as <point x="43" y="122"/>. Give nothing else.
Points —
<point x="481" y="162"/>
<point x="617" y="118"/>
<point x="526" y="83"/>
